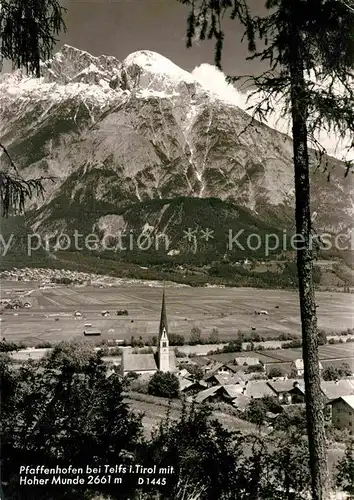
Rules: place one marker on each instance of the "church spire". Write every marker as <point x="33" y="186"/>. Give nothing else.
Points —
<point x="163" y="351"/>
<point x="163" y="320"/>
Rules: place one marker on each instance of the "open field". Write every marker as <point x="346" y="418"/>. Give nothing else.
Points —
<point x="227" y="309"/>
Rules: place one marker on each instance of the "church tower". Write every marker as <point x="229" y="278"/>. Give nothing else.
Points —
<point x="162" y="343"/>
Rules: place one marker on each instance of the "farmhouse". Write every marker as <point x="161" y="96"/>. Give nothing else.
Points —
<point x="247" y="361"/>
<point x="204" y="363"/>
<point x="256" y="389"/>
<point x="163" y="360"/>
<point x="343" y="412"/>
<point x="335" y="389"/>
<point x="215" y="368"/>
<point x="208" y="395"/>
<point x="288" y="391"/>
<point x="230" y="392"/>
<point x="222" y="379"/>
<point x="298" y="366"/>
<point x="191" y="387"/>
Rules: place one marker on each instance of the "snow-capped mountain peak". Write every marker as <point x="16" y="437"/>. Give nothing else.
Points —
<point x="157" y="64"/>
<point x="155" y="73"/>
<point x="117" y="133"/>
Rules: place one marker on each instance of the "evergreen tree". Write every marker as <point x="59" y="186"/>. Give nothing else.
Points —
<point x="345" y="470"/>
<point x="73" y="414"/>
<point x="309" y="46"/>
<point x="27" y="36"/>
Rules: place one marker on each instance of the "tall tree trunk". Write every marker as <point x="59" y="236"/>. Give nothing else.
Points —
<point x="314" y="402"/>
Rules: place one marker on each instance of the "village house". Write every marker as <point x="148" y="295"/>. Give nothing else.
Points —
<point x="147" y="364"/>
<point x="191" y="387"/>
<point x="297" y="393"/>
<point x="230" y="392"/>
<point x="292" y="391"/>
<point x="342" y="412"/>
<point x="222" y="379"/>
<point x="207" y="396"/>
<point x="298" y="366"/>
<point x="288" y="391"/>
<point x="247" y="361"/>
<point x="184" y="383"/>
<point x="184" y="373"/>
<point x="215" y="368"/>
<point x="204" y="363"/>
<point x="231" y="368"/>
<point x="335" y="389"/>
<point x="256" y="389"/>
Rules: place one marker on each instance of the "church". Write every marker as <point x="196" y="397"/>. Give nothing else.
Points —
<point x="163" y="360"/>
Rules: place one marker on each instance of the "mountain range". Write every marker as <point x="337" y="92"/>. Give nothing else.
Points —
<point x="141" y="147"/>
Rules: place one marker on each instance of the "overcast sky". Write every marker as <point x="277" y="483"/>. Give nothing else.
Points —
<point x="120" y="27"/>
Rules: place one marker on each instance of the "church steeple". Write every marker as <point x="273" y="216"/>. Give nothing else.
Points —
<point x="163" y="344"/>
<point x="163" y="319"/>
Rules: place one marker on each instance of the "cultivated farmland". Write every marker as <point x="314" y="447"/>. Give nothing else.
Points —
<point x="51" y="315"/>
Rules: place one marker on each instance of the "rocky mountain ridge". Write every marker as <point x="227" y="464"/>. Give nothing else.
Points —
<point x="141" y="145"/>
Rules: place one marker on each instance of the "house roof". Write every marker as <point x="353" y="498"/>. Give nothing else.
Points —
<point x="138" y="362"/>
<point x="201" y="360"/>
<point x="184" y="373"/>
<point x="243" y="361"/>
<point x="347" y="399"/>
<point x="215" y="367"/>
<point x="279" y="386"/>
<point x="192" y="383"/>
<point x="232" y="367"/>
<point x="337" y="389"/>
<point x="257" y="389"/>
<point x="300" y="388"/>
<point x="224" y="378"/>
<point x="184" y="383"/>
<point x="232" y="390"/>
<point x="203" y="395"/>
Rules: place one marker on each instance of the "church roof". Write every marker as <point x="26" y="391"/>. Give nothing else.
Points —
<point x="138" y="362"/>
<point x="145" y="362"/>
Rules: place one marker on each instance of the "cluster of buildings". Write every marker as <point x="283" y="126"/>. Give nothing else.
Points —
<point x="234" y="382"/>
<point x="164" y="359"/>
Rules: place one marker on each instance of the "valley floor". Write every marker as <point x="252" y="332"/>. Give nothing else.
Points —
<point x="50" y="317"/>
